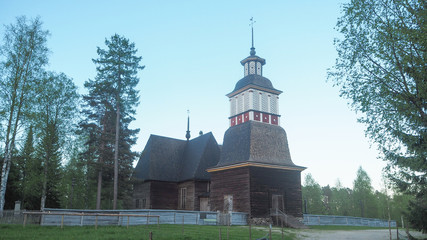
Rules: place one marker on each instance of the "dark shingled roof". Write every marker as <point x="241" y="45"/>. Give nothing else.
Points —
<point x="255" y="142"/>
<point x="174" y="160"/>
<point x="256" y="81"/>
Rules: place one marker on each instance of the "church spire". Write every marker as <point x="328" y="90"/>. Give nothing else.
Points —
<point x="252" y="64"/>
<point x="187" y="135"/>
<point x="252" y="26"/>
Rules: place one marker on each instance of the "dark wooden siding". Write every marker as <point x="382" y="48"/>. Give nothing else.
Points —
<point x="141" y="192"/>
<point x="233" y="182"/>
<point x="265" y="182"/>
<point x="189" y="198"/>
<point x="164" y="195"/>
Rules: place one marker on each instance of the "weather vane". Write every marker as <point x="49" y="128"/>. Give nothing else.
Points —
<point x="252" y="26"/>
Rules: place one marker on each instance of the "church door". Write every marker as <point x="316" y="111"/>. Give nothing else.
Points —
<point x="277" y="202"/>
<point x="204" y="204"/>
<point x="228" y="203"/>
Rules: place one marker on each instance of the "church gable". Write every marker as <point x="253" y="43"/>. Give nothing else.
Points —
<point x="160" y="159"/>
<point x="174" y="160"/>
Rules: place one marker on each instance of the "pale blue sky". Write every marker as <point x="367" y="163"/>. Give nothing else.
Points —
<point x="192" y="52"/>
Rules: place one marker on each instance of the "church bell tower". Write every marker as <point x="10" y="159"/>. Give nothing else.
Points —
<point x="255" y="172"/>
<point x="254" y="98"/>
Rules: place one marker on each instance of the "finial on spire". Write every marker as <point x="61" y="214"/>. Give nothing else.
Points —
<point x="187" y="135"/>
<point x="252" y="26"/>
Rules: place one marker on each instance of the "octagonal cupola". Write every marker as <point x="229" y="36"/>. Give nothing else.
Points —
<point x="253" y="64"/>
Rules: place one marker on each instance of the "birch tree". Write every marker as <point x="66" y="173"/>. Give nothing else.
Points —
<point x="23" y="55"/>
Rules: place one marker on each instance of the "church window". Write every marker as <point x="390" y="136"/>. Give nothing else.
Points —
<point x="246" y="69"/>
<point x="252" y="67"/>
<point x="182" y="197"/>
<point x="258" y="68"/>
<point x="144" y="203"/>
<point x="137" y="203"/>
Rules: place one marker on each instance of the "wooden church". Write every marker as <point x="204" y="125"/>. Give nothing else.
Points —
<point x="251" y="172"/>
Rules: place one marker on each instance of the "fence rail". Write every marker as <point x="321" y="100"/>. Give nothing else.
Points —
<point x="82" y="215"/>
<point x="164" y="217"/>
<point x="310" y="219"/>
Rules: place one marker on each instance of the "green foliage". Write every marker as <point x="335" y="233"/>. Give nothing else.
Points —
<point x="48" y="151"/>
<point x="30" y="168"/>
<point x="381" y="69"/>
<point x="339" y="201"/>
<point x="361" y="201"/>
<point x="74" y="190"/>
<point x="23" y="56"/>
<point x="57" y="101"/>
<point x="363" y="197"/>
<point x="109" y="109"/>
<point x="312" y="196"/>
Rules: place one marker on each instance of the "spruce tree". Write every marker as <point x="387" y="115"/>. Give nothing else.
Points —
<point x="112" y="98"/>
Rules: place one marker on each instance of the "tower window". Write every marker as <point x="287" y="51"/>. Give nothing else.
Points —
<point x="256" y="101"/>
<point x="246" y="104"/>
<point x="252" y="67"/>
<point x="273" y="104"/>
<point x="264" y="103"/>
<point x="240" y="104"/>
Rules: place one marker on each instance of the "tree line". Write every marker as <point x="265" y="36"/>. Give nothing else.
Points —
<point x="362" y="200"/>
<point x="59" y="148"/>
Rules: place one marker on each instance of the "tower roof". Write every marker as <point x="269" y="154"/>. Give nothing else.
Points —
<point x="256" y="142"/>
<point x="254" y="81"/>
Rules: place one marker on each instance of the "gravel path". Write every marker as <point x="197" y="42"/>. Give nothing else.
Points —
<point x="352" y="234"/>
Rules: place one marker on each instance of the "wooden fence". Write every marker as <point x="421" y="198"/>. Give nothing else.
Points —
<point x="310" y="219"/>
<point x="71" y="217"/>
<point x="161" y="216"/>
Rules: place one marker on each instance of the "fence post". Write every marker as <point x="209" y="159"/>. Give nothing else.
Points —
<point x="96" y="221"/>
<point x="81" y="219"/>
<point x="269" y="232"/>
<point x="25" y="219"/>
<point x="250" y="231"/>
<point x="282" y="229"/>
<point x="220" y="234"/>
<point x="182" y="225"/>
<point x="397" y="231"/>
<point x="150" y="236"/>
<point x="62" y="221"/>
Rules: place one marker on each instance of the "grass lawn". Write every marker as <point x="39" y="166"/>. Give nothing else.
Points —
<point x="136" y="232"/>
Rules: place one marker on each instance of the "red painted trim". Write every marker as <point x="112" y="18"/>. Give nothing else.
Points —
<point x="233" y="121"/>
<point x="246" y="117"/>
<point x="257" y="116"/>
<point x="239" y="119"/>
<point x="274" y="120"/>
<point x="265" y="118"/>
